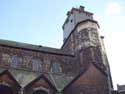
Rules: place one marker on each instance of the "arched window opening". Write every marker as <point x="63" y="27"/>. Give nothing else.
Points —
<point x="56" y="68"/>
<point x="36" y="64"/>
<point x="16" y="61"/>
<point x="5" y="89"/>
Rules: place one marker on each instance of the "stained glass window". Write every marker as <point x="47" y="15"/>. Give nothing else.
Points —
<point x="56" y="68"/>
<point x="16" y="61"/>
<point x="36" y="64"/>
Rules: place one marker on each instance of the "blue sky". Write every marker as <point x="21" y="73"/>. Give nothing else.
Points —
<point x="40" y="22"/>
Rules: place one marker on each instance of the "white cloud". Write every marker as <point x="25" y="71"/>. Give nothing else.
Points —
<point x="113" y="8"/>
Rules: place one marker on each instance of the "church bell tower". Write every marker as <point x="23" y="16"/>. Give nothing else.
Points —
<point x="80" y="30"/>
<point x="81" y="38"/>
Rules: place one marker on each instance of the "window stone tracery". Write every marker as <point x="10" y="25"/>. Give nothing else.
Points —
<point x="36" y="64"/>
<point x="56" y="68"/>
<point x="16" y="61"/>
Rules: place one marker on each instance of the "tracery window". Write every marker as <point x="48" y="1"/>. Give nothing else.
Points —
<point x="16" y="61"/>
<point x="36" y="64"/>
<point x="56" y="68"/>
<point x="6" y="59"/>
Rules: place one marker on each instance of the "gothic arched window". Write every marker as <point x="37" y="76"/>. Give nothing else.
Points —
<point x="16" y="61"/>
<point x="56" y="67"/>
<point x="36" y="64"/>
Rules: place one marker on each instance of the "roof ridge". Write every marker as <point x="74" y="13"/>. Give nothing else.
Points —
<point x="32" y="47"/>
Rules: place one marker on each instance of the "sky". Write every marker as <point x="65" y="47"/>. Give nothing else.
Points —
<point x="40" y="22"/>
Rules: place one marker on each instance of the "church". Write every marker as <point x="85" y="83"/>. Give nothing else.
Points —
<point x="80" y="66"/>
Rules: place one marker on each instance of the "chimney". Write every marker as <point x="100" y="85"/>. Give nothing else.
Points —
<point x="81" y="8"/>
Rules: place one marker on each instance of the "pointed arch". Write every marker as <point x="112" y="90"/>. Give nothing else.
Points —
<point x="41" y="85"/>
<point x="40" y="90"/>
<point x="8" y="84"/>
<point x="5" y="89"/>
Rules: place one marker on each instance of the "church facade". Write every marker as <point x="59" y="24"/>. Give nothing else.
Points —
<point x="80" y="66"/>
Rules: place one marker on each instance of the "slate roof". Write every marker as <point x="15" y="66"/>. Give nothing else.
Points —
<point x="38" y="48"/>
<point x="60" y="80"/>
<point x="24" y="78"/>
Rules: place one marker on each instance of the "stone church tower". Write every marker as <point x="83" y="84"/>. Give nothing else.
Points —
<point x="80" y="32"/>
<point x="81" y="38"/>
<point x="79" y="67"/>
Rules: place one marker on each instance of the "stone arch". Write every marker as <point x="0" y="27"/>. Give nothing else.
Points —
<point x="5" y="88"/>
<point x="8" y="84"/>
<point x="40" y="85"/>
<point x="40" y="90"/>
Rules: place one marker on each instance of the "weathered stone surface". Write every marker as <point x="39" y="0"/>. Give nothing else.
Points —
<point x="77" y="68"/>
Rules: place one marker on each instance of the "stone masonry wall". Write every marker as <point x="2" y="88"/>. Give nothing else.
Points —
<point x="18" y="58"/>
